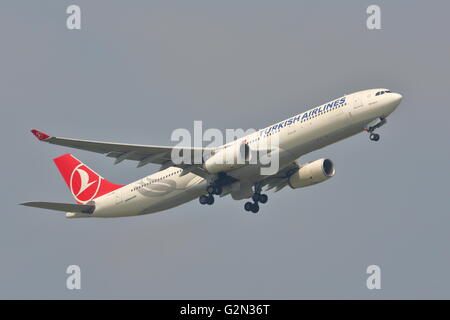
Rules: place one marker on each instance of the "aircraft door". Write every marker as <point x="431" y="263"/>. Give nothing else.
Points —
<point x="356" y="105"/>
<point x="357" y="101"/>
<point x="117" y="197"/>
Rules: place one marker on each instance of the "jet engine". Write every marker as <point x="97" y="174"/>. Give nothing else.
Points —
<point x="228" y="158"/>
<point x="312" y="173"/>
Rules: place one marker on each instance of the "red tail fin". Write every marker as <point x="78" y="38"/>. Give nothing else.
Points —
<point x="83" y="182"/>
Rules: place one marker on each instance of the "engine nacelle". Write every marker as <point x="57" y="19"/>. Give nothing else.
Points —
<point x="229" y="158"/>
<point x="312" y="173"/>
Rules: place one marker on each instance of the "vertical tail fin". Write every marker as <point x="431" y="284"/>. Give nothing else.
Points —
<point x="83" y="182"/>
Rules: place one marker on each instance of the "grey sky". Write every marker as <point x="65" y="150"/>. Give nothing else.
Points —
<point x="134" y="73"/>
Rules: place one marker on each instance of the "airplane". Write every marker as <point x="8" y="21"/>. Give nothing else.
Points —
<point x="178" y="183"/>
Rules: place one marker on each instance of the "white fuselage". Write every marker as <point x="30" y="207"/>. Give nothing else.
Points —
<point x="297" y="136"/>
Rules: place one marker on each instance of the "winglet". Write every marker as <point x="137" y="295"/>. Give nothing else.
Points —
<point x="40" y="135"/>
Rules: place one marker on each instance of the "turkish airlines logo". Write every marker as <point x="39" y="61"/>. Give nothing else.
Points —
<point x="39" y="135"/>
<point x="84" y="184"/>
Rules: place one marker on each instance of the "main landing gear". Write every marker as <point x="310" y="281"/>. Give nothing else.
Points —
<point x="206" y="199"/>
<point x="212" y="189"/>
<point x="257" y="197"/>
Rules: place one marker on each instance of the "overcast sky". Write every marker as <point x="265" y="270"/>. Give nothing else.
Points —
<point x="138" y="70"/>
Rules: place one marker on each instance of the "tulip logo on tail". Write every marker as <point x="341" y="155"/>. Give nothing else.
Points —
<point x="84" y="183"/>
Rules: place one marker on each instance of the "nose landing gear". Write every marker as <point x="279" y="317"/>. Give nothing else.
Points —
<point x="375" y="125"/>
<point x="374" y="137"/>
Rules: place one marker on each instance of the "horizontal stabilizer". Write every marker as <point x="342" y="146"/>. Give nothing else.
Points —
<point x="66" y="207"/>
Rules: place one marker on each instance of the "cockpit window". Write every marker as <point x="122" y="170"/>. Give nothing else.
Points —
<point x="379" y="93"/>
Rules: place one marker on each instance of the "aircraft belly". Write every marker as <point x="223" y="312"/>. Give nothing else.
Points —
<point x="189" y="191"/>
<point x="328" y="137"/>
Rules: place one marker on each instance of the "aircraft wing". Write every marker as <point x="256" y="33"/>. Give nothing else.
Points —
<point x="144" y="154"/>
<point x="66" y="207"/>
<point x="281" y="179"/>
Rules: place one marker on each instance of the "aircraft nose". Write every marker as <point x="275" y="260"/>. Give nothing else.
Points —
<point x="397" y="98"/>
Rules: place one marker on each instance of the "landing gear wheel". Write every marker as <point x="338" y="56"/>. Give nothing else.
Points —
<point x="210" y="200"/>
<point x="374" y="136"/>
<point x="203" y="199"/>
<point x="255" y="208"/>
<point x="250" y="206"/>
<point x="257" y="197"/>
<point x="210" y="189"/>
<point x="263" y="198"/>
